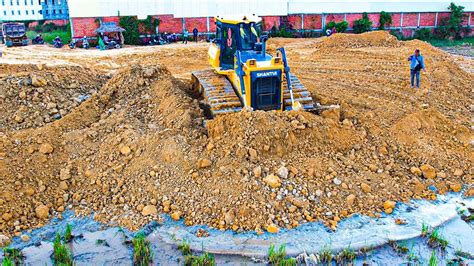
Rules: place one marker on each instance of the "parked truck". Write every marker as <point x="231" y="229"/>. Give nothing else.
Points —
<point x="14" y="34"/>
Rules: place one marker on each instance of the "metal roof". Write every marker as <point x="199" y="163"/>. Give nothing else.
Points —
<point x="109" y="27"/>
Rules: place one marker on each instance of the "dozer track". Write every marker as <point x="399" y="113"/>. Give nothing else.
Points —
<point x="217" y="91"/>
<point x="221" y="98"/>
<point x="300" y="94"/>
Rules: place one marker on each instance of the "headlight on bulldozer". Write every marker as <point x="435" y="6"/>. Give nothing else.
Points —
<point x="252" y="62"/>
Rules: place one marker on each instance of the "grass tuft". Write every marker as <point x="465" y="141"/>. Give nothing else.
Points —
<point x="436" y="240"/>
<point x="184" y="248"/>
<point x="205" y="259"/>
<point x="102" y="242"/>
<point x="62" y="254"/>
<point x="68" y="233"/>
<point x="142" y="253"/>
<point x="433" y="259"/>
<point x="424" y="229"/>
<point x="347" y="256"/>
<point x="325" y="255"/>
<point x="12" y="256"/>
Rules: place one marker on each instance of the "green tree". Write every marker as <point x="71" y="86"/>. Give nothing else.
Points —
<point x="455" y="20"/>
<point x="384" y="20"/>
<point x="363" y="25"/>
<point x="131" y="34"/>
<point x="340" y="26"/>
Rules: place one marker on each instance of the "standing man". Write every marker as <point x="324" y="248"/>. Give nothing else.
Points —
<point x="195" y="35"/>
<point x="185" y="36"/>
<point x="417" y="63"/>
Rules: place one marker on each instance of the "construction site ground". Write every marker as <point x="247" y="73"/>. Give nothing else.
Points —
<point x="120" y="134"/>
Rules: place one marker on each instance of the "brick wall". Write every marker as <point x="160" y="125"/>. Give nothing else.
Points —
<point x="170" y="24"/>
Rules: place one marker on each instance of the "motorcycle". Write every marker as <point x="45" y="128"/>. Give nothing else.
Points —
<point x="58" y="44"/>
<point x="157" y="40"/>
<point x="37" y="40"/>
<point x="85" y="44"/>
<point x="113" y="45"/>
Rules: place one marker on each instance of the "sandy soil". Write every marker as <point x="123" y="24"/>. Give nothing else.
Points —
<point x="134" y="146"/>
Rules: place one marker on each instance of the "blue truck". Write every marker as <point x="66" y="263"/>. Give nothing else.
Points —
<point x="14" y="34"/>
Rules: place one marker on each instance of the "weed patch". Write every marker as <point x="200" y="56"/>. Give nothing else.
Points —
<point x="62" y="254"/>
<point x="142" y="253"/>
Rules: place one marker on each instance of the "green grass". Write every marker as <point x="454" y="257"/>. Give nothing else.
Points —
<point x="275" y="256"/>
<point x="12" y="256"/>
<point x="444" y="42"/>
<point x="184" y="248"/>
<point x="325" y="256"/>
<point x="436" y="240"/>
<point x="7" y="262"/>
<point x="399" y="247"/>
<point x="424" y="229"/>
<point x="49" y="36"/>
<point x="62" y="254"/>
<point x="68" y="233"/>
<point x="142" y="253"/>
<point x="433" y="259"/>
<point x="347" y="256"/>
<point x="205" y="259"/>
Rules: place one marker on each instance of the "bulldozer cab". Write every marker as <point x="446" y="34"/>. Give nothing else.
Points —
<point x="236" y="35"/>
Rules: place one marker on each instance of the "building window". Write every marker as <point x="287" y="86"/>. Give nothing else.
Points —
<point x="26" y="12"/>
<point x="26" y="2"/>
<point x="47" y="13"/>
<point x="40" y="12"/>
<point x="19" y="13"/>
<point x="17" y="2"/>
<point x="13" y="12"/>
<point x="60" y="11"/>
<point x="3" y="2"/>
<point x="31" y="2"/>
<point x="4" y="12"/>
<point x="32" y="12"/>
<point x="11" y="2"/>
<point x="54" y="12"/>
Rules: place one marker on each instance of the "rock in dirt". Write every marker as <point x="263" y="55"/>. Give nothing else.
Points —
<point x="273" y="228"/>
<point x="389" y="206"/>
<point x="176" y="215"/>
<point x="149" y="210"/>
<point x="4" y="241"/>
<point x="42" y="212"/>
<point x="428" y="171"/>
<point x="25" y="238"/>
<point x="458" y="172"/>
<point x="46" y="148"/>
<point x="350" y="199"/>
<point x="456" y="187"/>
<point x="203" y="163"/>
<point x="283" y="172"/>
<point x="366" y="188"/>
<point x="38" y="81"/>
<point x="7" y="216"/>
<point x="125" y="150"/>
<point x="273" y="181"/>
<point x="416" y="171"/>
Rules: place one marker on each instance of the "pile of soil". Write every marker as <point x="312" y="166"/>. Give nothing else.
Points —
<point x="138" y="148"/>
<point x="367" y="39"/>
<point x="32" y="96"/>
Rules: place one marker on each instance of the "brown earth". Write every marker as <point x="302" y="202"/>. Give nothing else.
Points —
<point x="137" y="148"/>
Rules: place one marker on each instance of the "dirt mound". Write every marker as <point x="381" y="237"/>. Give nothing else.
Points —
<point x="367" y="39"/>
<point x="138" y="148"/>
<point x="32" y="96"/>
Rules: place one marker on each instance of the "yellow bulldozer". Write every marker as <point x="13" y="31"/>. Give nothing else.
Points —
<point x="244" y="75"/>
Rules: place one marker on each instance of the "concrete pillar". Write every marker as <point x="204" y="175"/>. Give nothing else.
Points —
<point x="436" y="20"/>
<point x="401" y="21"/>
<point x="72" y="27"/>
<point x="183" y="22"/>
<point x="323" y="21"/>
<point x="208" y="25"/>
<point x="302" y="22"/>
<point x="469" y="21"/>
<point x="419" y="17"/>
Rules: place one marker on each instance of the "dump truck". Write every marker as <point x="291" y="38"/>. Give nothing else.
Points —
<point x="14" y="34"/>
<point x="244" y="75"/>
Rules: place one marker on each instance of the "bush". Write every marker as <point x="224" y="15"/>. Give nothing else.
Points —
<point x="397" y="33"/>
<point x="452" y="27"/>
<point x="340" y="26"/>
<point x="423" y="34"/>
<point x="363" y="25"/>
<point x="131" y="34"/>
<point x="384" y="20"/>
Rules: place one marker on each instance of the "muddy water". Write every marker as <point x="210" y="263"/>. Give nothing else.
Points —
<point x="98" y="244"/>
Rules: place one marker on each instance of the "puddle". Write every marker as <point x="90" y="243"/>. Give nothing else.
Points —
<point x="98" y="244"/>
